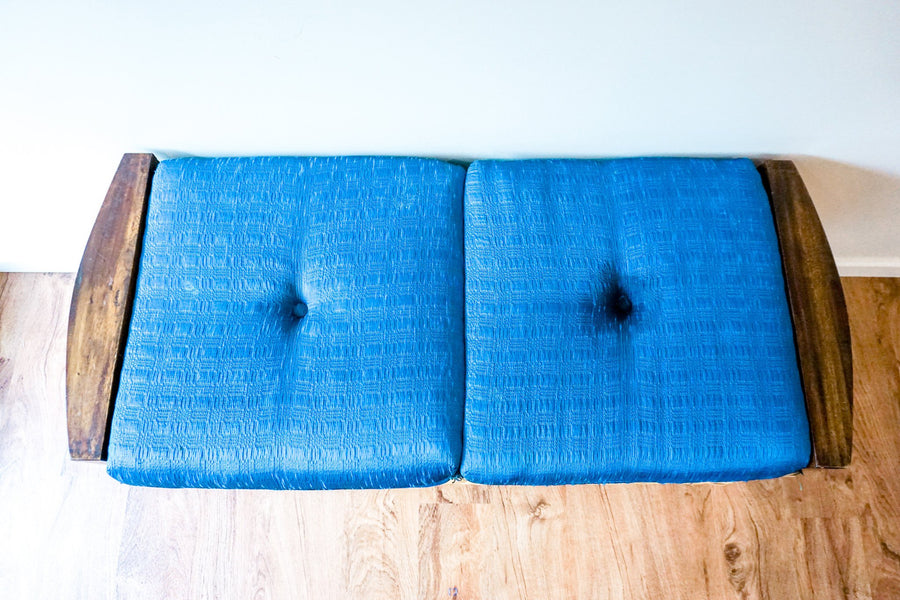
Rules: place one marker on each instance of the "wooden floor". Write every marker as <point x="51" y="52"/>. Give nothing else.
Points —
<point x="69" y="531"/>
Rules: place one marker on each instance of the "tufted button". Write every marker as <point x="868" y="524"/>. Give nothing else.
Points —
<point x="300" y="310"/>
<point x="622" y="304"/>
<point x="617" y="303"/>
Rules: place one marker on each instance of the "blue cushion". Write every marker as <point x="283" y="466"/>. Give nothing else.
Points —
<point x="298" y="324"/>
<point x="626" y="320"/>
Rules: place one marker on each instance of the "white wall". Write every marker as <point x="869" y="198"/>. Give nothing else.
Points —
<point x="83" y="82"/>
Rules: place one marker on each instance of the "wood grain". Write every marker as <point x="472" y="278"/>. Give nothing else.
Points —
<point x="76" y="533"/>
<point x="819" y="314"/>
<point x="101" y="307"/>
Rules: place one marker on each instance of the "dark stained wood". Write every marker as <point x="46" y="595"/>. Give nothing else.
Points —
<point x="101" y="307"/>
<point x="819" y="313"/>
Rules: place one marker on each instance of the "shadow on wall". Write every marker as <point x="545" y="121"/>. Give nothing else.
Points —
<point x="860" y="211"/>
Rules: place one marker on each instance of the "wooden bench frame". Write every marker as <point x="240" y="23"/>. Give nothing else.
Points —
<point x="104" y="291"/>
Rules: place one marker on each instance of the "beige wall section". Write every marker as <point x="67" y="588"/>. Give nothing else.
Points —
<point x="860" y="211"/>
<point x="814" y="80"/>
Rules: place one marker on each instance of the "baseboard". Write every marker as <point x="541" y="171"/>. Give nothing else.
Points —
<point x="868" y="266"/>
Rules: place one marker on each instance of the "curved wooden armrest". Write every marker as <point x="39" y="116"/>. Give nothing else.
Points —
<point x="819" y="313"/>
<point x="101" y="307"/>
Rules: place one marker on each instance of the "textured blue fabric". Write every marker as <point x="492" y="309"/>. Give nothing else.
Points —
<point x="626" y="320"/>
<point x="298" y="323"/>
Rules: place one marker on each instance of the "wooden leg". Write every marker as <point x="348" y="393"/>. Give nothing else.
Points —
<point x="101" y="307"/>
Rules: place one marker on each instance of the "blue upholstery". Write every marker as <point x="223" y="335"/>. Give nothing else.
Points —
<point x="626" y="320"/>
<point x="298" y="323"/>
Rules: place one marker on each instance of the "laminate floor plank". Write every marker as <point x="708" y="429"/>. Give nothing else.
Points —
<point x="67" y="530"/>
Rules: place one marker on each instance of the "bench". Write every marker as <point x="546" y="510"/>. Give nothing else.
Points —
<point x="347" y="322"/>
